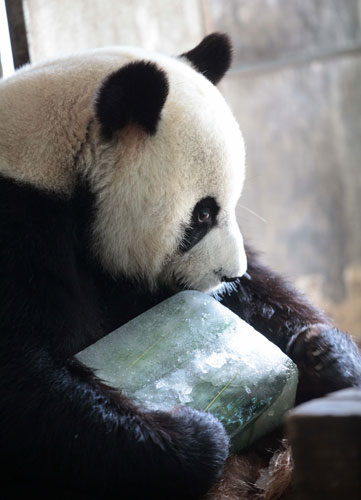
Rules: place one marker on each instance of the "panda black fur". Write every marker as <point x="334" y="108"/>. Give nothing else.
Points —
<point x="120" y="171"/>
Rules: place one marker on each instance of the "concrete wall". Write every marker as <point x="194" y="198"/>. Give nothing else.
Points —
<point x="61" y="27"/>
<point x="295" y="87"/>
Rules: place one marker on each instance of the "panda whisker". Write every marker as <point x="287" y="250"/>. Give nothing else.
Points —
<point x="218" y="293"/>
<point x="253" y="213"/>
<point x="231" y="287"/>
<point x="225" y="288"/>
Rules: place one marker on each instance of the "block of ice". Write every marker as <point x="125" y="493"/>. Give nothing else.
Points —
<point x="191" y="350"/>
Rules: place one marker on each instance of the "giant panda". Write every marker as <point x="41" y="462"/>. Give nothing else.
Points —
<point x="120" y="171"/>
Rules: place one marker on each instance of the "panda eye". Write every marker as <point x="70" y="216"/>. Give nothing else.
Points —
<point x="204" y="217"/>
<point x="204" y="214"/>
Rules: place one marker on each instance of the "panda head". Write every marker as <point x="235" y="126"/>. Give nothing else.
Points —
<point x="155" y="142"/>
<point x="166" y="162"/>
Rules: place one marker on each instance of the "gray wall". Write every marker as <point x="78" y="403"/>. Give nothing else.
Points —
<point x="295" y="87"/>
<point x="296" y="90"/>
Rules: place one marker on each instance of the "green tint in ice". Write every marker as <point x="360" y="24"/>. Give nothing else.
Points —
<point x="191" y="350"/>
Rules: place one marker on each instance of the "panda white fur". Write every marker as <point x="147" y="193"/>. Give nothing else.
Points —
<point x="120" y="171"/>
<point x="151" y="180"/>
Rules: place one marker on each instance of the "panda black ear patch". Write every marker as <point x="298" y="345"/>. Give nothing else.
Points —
<point x="136" y="93"/>
<point x="212" y="57"/>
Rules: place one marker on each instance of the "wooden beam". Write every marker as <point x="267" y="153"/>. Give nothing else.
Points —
<point x="17" y="30"/>
<point x="325" y="435"/>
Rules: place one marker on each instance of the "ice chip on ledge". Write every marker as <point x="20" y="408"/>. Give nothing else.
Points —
<point x="192" y="350"/>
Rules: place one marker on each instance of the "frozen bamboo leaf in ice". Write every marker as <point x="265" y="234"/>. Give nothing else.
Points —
<point x="192" y="350"/>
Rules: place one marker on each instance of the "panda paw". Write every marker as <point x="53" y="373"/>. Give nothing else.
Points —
<point x="207" y="435"/>
<point x="197" y="449"/>
<point x="328" y="360"/>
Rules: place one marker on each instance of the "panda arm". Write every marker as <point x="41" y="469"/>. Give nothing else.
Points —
<point x="327" y="358"/>
<point x="58" y="422"/>
<point x="60" y="425"/>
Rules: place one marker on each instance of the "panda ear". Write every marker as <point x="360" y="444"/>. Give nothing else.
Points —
<point x="135" y="93"/>
<point x="212" y="57"/>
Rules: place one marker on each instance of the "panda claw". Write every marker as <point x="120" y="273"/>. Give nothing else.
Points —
<point x="327" y="359"/>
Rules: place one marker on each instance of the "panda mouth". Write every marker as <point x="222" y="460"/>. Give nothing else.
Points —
<point x="204" y="285"/>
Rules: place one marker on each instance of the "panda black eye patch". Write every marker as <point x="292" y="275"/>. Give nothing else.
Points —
<point x="204" y="217"/>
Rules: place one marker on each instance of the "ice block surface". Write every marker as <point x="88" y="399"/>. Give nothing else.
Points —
<point x="192" y="350"/>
